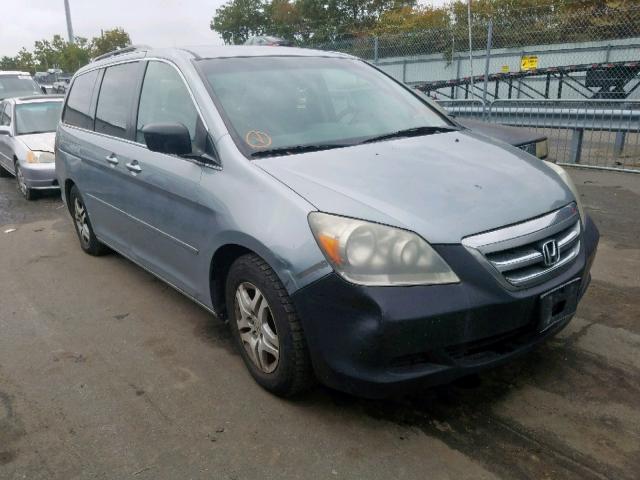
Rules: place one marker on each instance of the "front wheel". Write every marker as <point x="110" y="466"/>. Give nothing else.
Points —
<point x="26" y="191"/>
<point x="88" y="241"/>
<point x="266" y="328"/>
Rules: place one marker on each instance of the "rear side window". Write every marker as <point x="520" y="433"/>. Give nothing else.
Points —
<point x="115" y="99"/>
<point x="77" y="111"/>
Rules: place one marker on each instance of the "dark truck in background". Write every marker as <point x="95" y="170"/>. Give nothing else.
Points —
<point x="528" y="140"/>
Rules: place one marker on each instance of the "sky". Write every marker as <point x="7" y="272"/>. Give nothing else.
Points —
<point x="159" y="23"/>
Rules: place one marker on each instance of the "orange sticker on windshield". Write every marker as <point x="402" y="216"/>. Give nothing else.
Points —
<point x="257" y="139"/>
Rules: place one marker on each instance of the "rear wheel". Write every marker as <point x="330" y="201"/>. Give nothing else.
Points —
<point x="26" y="191"/>
<point x="266" y="328"/>
<point x="88" y="241"/>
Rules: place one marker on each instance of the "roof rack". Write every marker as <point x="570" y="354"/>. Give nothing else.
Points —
<point x="121" y="51"/>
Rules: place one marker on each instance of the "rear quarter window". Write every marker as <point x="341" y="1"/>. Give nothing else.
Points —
<point x="77" y="111"/>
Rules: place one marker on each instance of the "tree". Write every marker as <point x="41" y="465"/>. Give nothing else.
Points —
<point x="408" y="19"/>
<point x="58" y="53"/>
<point x="237" y="20"/>
<point x="300" y="20"/>
<point x="109" y="41"/>
<point x="25" y="61"/>
<point x="8" y="63"/>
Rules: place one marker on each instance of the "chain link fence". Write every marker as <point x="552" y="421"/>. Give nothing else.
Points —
<point x="583" y="68"/>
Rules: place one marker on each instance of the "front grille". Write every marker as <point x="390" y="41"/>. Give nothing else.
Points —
<point x="516" y="253"/>
<point x="521" y="265"/>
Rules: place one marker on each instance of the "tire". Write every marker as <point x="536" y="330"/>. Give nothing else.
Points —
<point x="292" y="373"/>
<point x="88" y="241"/>
<point x="28" y="193"/>
<point x="4" y="172"/>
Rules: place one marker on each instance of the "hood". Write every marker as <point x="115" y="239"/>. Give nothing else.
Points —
<point x="443" y="187"/>
<point x="42" y="142"/>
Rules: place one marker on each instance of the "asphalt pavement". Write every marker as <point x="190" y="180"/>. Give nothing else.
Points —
<point x="107" y="373"/>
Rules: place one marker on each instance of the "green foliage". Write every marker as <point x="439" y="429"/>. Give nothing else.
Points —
<point x="109" y="40"/>
<point x="300" y="20"/>
<point x="239" y="19"/>
<point x="58" y="53"/>
<point x="347" y="24"/>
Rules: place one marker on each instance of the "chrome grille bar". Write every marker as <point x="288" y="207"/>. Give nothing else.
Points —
<point x="519" y="259"/>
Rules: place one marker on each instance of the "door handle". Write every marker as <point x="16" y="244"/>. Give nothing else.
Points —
<point x="133" y="167"/>
<point x="112" y="159"/>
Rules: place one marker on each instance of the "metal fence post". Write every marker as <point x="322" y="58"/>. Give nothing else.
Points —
<point x="618" y="145"/>
<point x="576" y="145"/>
<point x="404" y="70"/>
<point x="375" y="49"/>
<point x="486" y="65"/>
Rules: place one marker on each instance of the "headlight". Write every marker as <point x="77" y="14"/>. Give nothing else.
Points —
<point x="371" y="254"/>
<point x="567" y="180"/>
<point x="40" y="157"/>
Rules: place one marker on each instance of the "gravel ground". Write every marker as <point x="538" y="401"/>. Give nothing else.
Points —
<point x="107" y="373"/>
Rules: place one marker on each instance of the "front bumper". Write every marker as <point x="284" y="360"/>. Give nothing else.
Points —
<point x="379" y="341"/>
<point x="40" y="176"/>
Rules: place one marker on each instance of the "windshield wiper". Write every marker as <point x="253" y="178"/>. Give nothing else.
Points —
<point x="411" y="132"/>
<point x="297" y="149"/>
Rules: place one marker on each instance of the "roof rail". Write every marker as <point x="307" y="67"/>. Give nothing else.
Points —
<point x="121" y="51"/>
<point x="38" y="97"/>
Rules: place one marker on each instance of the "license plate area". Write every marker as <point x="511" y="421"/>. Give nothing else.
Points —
<point x="558" y="304"/>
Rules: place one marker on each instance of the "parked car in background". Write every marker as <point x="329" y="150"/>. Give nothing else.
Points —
<point x="523" y="138"/>
<point x="347" y="229"/>
<point x="268" y="41"/>
<point x="60" y="86"/>
<point x="53" y="80"/>
<point x="27" y="137"/>
<point x="17" y="84"/>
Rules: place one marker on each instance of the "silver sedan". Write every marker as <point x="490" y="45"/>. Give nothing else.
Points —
<point x="27" y="137"/>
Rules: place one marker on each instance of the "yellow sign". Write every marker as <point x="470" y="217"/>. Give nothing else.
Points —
<point x="505" y="69"/>
<point x="528" y="62"/>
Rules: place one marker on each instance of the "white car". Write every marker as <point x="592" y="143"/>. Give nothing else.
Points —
<point x="17" y="84"/>
<point x="27" y="137"/>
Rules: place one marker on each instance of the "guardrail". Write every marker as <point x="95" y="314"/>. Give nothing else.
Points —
<point x="595" y="133"/>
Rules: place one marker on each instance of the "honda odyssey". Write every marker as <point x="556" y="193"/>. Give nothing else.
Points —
<point x="349" y="232"/>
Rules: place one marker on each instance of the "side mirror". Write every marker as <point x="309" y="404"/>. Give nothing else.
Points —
<point x="171" y="138"/>
<point x="4" y="130"/>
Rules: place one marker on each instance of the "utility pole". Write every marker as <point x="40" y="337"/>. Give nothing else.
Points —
<point x="67" y="11"/>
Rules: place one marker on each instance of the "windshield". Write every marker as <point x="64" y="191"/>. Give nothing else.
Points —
<point x="279" y="102"/>
<point x="37" y="117"/>
<point x="18" y="86"/>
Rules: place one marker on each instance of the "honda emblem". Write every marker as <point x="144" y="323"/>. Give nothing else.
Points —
<point x="550" y="253"/>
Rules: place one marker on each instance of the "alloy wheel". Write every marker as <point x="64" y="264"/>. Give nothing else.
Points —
<point x="22" y="185"/>
<point x="82" y="222"/>
<point x="257" y="327"/>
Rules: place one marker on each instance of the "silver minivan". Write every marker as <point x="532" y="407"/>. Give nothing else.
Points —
<point x="348" y="231"/>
